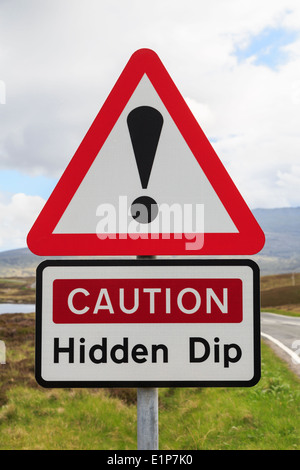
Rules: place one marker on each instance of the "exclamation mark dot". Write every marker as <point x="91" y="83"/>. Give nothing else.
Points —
<point x="144" y="124"/>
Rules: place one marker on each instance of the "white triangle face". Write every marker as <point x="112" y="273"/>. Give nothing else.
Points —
<point x="102" y="203"/>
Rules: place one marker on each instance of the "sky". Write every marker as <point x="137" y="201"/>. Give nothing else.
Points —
<point x="236" y="63"/>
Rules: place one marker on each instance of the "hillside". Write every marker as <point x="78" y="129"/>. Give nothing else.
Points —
<point x="281" y="253"/>
<point x="18" y="263"/>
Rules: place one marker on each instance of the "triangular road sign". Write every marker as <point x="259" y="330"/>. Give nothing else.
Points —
<point x="145" y="181"/>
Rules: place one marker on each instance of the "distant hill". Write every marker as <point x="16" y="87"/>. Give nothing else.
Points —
<point x="281" y="253"/>
<point x="20" y="262"/>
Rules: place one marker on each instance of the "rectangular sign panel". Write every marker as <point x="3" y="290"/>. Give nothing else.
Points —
<point x="147" y="323"/>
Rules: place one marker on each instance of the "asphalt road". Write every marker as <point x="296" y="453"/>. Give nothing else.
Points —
<point x="283" y="333"/>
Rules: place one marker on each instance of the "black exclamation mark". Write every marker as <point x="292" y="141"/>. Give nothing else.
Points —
<point x="144" y="124"/>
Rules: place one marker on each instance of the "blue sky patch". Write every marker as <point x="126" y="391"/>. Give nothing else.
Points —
<point x="14" y="181"/>
<point x="267" y="47"/>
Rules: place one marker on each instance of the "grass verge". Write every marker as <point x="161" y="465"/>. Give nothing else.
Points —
<point x="289" y="313"/>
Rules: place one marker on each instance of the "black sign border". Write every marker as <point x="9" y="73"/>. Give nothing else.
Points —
<point x="140" y="384"/>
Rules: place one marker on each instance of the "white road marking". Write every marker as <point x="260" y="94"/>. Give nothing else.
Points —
<point x="293" y="355"/>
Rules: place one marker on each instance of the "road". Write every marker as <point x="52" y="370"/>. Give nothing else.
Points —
<point x="283" y="334"/>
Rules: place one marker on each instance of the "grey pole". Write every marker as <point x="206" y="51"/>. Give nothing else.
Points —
<point x="147" y="419"/>
<point x="147" y="412"/>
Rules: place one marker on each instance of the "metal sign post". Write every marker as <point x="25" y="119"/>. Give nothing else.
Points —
<point x="147" y="412"/>
<point x="147" y="418"/>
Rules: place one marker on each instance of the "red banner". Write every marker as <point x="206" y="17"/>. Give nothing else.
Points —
<point x="147" y="301"/>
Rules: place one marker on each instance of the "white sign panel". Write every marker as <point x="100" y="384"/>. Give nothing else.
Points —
<point x="145" y="323"/>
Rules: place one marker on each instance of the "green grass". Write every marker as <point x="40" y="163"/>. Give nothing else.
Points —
<point x="265" y="416"/>
<point x="288" y="313"/>
<point x="65" y="420"/>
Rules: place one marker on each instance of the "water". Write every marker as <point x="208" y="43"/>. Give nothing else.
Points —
<point x="17" y="308"/>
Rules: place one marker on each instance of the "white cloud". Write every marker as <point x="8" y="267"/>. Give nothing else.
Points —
<point x="17" y="215"/>
<point x="59" y="61"/>
<point x="289" y="183"/>
<point x="203" y="113"/>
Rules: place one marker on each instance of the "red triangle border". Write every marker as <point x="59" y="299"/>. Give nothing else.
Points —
<point x="41" y="240"/>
